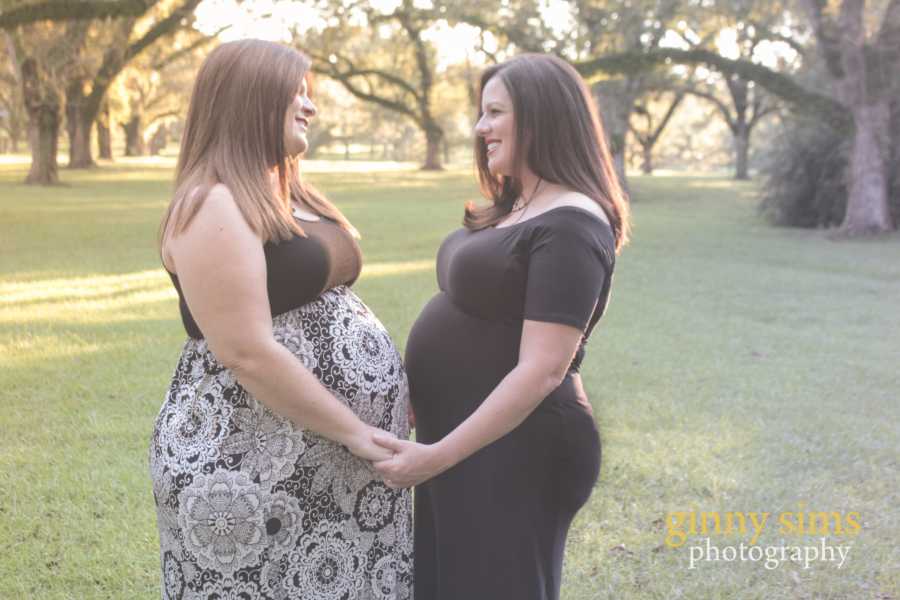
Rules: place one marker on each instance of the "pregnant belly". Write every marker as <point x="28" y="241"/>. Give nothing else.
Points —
<point x="341" y="341"/>
<point x="453" y="361"/>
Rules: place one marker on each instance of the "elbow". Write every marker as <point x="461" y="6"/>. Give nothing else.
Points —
<point x="551" y="379"/>
<point x="243" y="359"/>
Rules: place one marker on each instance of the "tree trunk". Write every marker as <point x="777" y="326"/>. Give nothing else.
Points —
<point x="104" y="137"/>
<point x="44" y="134"/>
<point x="134" y="139"/>
<point x="78" y="125"/>
<point x="867" y="197"/>
<point x="895" y="160"/>
<point x="80" y="156"/>
<point x="43" y="106"/>
<point x="615" y="100"/>
<point x="433" y="137"/>
<point x="647" y="162"/>
<point x="742" y="152"/>
<point x="159" y="140"/>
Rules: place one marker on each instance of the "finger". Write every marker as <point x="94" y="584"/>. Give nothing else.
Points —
<point x="387" y="440"/>
<point x="384" y="468"/>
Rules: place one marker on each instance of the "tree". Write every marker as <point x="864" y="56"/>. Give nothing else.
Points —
<point x="864" y="70"/>
<point x="742" y="104"/>
<point x="44" y="55"/>
<point x="864" y="73"/>
<point x="624" y="26"/>
<point x="51" y="58"/>
<point x="85" y="92"/>
<point x="648" y="109"/>
<point x="13" y="120"/>
<point x="25" y="13"/>
<point x="387" y="61"/>
<point x="749" y="105"/>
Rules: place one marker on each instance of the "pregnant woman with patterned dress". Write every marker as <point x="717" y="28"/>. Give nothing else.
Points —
<point x="261" y="453"/>
<point x="507" y="451"/>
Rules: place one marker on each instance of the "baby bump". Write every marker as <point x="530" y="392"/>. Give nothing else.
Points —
<point x="347" y="348"/>
<point x="208" y="416"/>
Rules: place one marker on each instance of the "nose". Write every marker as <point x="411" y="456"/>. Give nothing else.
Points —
<point x="309" y="109"/>
<point x="481" y="127"/>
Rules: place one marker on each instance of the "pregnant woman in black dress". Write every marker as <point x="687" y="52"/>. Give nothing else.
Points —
<point x="260" y="452"/>
<point x="506" y="451"/>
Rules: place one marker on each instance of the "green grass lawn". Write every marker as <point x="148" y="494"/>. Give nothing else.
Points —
<point x="740" y="368"/>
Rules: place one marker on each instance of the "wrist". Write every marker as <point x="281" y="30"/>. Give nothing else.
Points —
<point x="444" y="454"/>
<point x="353" y="436"/>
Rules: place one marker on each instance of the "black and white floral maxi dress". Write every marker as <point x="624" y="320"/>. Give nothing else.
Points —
<point x="248" y="505"/>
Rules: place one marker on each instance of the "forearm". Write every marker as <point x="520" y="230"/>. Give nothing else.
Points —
<point x="514" y="398"/>
<point x="279" y="380"/>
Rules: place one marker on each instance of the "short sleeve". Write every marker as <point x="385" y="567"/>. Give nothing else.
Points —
<point x="569" y="263"/>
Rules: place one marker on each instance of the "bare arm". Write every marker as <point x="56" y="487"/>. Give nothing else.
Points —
<point x="222" y="270"/>
<point x="545" y="352"/>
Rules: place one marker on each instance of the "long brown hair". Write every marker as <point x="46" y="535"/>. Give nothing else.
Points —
<point x="559" y="137"/>
<point x="234" y="135"/>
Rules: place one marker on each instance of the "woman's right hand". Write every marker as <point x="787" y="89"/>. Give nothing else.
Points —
<point x="581" y="395"/>
<point x="362" y="444"/>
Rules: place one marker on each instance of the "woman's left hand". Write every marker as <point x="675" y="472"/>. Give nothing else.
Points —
<point x="412" y="463"/>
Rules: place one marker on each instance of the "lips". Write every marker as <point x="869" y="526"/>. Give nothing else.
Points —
<point x="492" y="145"/>
<point x="302" y="120"/>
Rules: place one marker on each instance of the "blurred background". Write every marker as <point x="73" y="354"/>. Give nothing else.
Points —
<point x="802" y="92"/>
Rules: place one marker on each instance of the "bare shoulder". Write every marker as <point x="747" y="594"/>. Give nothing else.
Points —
<point x="219" y="201"/>
<point x="218" y="224"/>
<point x="579" y="200"/>
<point x="218" y="211"/>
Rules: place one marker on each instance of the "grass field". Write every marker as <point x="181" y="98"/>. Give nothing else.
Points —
<point x="740" y="368"/>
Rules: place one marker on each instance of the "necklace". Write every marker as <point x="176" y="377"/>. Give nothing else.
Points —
<point x="295" y="210"/>
<point x="521" y="203"/>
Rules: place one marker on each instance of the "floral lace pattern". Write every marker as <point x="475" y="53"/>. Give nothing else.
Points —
<point x="249" y="506"/>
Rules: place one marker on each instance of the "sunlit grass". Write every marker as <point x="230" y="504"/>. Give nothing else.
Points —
<point x="740" y="368"/>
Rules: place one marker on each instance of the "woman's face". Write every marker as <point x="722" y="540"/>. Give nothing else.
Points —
<point x="296" y="122"/>
<point x="497" y="126"/>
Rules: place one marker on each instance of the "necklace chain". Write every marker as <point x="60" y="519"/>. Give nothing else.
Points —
<point x="521" y="203"/>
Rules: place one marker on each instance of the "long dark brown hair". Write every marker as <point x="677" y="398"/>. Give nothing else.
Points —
<point x="234" y="135"/>
<point x="559" y="137"/>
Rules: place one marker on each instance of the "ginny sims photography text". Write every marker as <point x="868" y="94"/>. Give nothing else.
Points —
<point x="805" y="536"/>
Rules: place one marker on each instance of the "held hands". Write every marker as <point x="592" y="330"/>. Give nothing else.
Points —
<point x="411" y="463"/>
<point x="362" y="444"/>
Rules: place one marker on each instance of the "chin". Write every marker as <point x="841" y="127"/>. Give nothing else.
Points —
<point x="496" y="168"/>
<point x="298" y="147"/>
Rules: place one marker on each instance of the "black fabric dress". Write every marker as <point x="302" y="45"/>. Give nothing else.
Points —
<point x="494" y="526"/>
<point x="249" y="505"/>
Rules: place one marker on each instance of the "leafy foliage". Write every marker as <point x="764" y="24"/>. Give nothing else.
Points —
<point x="805" y="170"/>
<point x="805" y="184"/>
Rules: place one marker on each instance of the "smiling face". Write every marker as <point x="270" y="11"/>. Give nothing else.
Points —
<point x="497" y="127"/>
<point x="296" y="121"/>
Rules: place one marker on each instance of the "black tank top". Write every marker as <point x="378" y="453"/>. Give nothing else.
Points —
<point x="298" y="270"/>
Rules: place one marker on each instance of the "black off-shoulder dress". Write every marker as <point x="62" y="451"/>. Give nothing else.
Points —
<point x="494" y="526"/>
